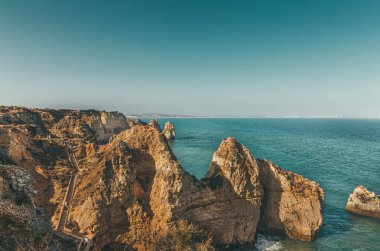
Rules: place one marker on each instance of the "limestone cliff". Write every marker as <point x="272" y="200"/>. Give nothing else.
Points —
<point x="72" y="127"/>
<point x="23" y="225"/>
<point x="105" y="124"/>
<point x="233" y="177"/>
<point x="139" y="167"/>
<point x="127" y="189"/>
<point x="364" y="202"/>
<point x="292" y="204"/>
<point x="88" y="125"/>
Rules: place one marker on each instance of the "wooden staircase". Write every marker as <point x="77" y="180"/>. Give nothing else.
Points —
<point x="68" y="199"/>
<point x="70" y="191"/>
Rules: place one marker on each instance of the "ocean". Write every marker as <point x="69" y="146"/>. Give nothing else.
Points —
<point x="339" y="154"/>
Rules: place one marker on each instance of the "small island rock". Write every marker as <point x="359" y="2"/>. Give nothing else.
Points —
<point x="364" y="202"/>
<point x="169" y="131"/>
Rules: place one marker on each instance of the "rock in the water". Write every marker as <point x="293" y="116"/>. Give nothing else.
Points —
<point x="364" y="202"/>
<point x="292" y="204"/>
<point x="169" y="131"/>
<point x="234" y="179"/>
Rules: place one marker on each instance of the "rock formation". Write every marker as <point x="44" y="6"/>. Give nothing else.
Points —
<point x="23" y="225"/>
<point x="88" y="125"/>
<point x="292" y="204"/>
<point x="105" y="124"/>
<point x="364" y="202"/>
<point x="20" y="223"/>
<point x="131" y="190"/>
<point x="155" y="124"/>
<point x="72" y="127"/>
<point x="233" y="177"/>
<point x="169" y="131"/>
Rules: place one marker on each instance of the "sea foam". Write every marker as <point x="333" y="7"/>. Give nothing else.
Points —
<point x="265" y="244"/>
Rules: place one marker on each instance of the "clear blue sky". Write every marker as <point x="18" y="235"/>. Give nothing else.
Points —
<point x="217" y="57"/>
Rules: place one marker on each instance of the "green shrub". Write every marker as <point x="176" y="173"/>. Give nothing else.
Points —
<point x="184" y="236"/>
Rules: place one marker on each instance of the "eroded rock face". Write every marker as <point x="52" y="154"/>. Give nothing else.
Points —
<point x="292" y="204"/>
<point x="105" y="124"/>
<point x="169" y="131"/>
<point x="364" y="202"/>
<point x="233" y="177"/>
<point x="139" y="167"/>
<point x="72" y="127"/>
<point x="155" y="124"/>
<point x="133" y="184"/>
<point x="22" y="224"/>
<point x="19" y="115"/>
<point x="89" y="125"/>
<point x="46" y="161"/>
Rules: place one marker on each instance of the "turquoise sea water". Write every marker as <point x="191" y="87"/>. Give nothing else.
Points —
<point x="338" y="153"/>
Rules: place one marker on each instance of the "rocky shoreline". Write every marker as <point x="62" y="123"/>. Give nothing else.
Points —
<point x="130" y="188"/>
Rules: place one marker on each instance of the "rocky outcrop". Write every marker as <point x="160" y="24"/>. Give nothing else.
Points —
<point x="364" y="202"/>
<point x="292" y="204"/>
<point x="90" y="125"/>
<point x="155" y="124"/>
<point x="139" y="167"/>
<point x="19" y="115"/>
<point x="136" y="167"/>
<point x="105" y="124"/>
<point x="45" y="160"/>
<point x="233" y="178"/>
<point x="24" y="225"/>
<point x="72" y="127"/>
<point x="132" y="189"/>
<point x="169" y="131"/>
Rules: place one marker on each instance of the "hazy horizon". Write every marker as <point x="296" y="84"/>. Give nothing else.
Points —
<point x="202" y="58"/>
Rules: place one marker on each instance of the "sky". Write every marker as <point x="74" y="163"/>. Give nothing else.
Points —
<point x="216" y="57"/>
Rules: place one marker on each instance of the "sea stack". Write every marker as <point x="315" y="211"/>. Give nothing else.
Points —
<point x="233" y="177"/>
<point x="292" y="204"/>
<point x="364" y="202"/>
<point x="169" y="131"/>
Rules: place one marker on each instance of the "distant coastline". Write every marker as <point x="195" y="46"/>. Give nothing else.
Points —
<point x="161" y="115"/>
<point x="164" y="115"/>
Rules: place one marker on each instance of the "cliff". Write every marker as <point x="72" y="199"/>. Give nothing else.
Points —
<point x="127" y="189"/>
<point x="292" y="204"/>
<point x="23" y="225"/>
<point x="363" y="202"/>
<point x="90" y="125"/>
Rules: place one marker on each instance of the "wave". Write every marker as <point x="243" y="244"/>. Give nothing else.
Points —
<point x="265" y="244"/>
